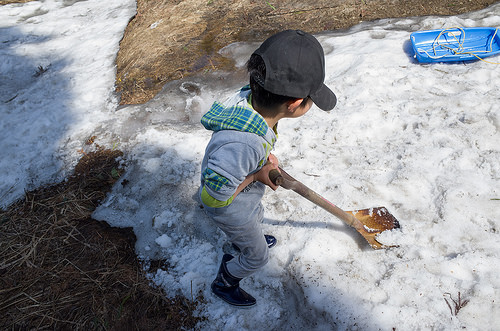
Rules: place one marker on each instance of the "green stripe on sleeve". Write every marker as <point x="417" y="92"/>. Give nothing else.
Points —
<point x="209" y="201"/>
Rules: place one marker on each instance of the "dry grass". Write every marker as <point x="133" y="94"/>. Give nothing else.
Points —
<point x="59" y="269"/>
<point x="457" y="304"/>
<point x="6" y="2"/>
<point x="171" y="39"/>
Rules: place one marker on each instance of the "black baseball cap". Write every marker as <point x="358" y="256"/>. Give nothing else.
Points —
<point x="295" y="67"/>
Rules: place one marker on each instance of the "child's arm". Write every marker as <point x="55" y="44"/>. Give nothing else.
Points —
<point x="262" y="175"/>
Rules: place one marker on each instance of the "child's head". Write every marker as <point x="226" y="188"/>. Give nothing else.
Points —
<point x="289" y="65"/>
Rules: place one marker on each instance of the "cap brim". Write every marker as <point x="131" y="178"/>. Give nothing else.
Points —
<point x="324" y="98"/>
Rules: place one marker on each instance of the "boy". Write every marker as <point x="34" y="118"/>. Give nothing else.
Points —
<point x="286" y="76"/>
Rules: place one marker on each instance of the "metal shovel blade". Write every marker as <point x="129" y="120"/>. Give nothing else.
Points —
<point x="375" y="221"/>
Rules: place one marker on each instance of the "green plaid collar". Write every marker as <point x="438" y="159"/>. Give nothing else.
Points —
<point x="239" y="117"/>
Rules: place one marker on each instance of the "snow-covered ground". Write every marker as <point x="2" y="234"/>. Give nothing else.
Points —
<point x="421" y="140"/>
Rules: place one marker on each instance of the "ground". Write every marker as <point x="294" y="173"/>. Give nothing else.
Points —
<point x="171" y="39"/>
<point x="54" y="258"/>
<point x="62" y="270"/>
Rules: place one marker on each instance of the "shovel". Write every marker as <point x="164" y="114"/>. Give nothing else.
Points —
<point x="368" y="222"/>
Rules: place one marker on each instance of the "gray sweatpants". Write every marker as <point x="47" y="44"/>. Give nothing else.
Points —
<point x="241" y="222"/>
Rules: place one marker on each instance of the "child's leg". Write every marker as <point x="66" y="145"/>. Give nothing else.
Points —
<point x="253" y="246"/>
<point x="241" y="222"/>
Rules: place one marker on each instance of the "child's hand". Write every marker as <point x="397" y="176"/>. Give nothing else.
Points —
<point x="273" y="159"/>
<point x="263" y="174"/>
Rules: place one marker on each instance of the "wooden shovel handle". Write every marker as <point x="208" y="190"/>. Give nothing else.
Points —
<point x="286" y="181"/>
<point x="283" y="179"/>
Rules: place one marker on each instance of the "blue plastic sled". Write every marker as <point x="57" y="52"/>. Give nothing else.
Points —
<point x="455" y="44"/>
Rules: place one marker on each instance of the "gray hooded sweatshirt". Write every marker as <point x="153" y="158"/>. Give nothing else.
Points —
<point x="240" y="146"/>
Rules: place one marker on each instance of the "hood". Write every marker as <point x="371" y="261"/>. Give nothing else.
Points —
<point x="239" y="116"/>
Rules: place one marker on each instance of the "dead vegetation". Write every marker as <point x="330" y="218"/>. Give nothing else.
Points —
<point x="455" y="305"/>
<point x="59" y="269"/>
<point x="171" y="39"/>
<point x="6" y="2"/>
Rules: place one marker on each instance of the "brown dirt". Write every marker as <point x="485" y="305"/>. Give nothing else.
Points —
<point x="171" y="39"/>
<point x="6" y="2"/>
<point x="61" y="270"/>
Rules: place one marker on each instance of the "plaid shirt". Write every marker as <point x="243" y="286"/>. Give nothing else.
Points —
<point x="239" y="118"/>
<point x="236" y="114"/>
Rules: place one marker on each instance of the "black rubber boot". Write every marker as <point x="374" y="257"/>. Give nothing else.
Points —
<point x="228" y="288"/>
<point x="270" y="240"/>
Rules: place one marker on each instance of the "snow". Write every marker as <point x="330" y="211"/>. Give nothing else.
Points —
<point x="421" y="140"/>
